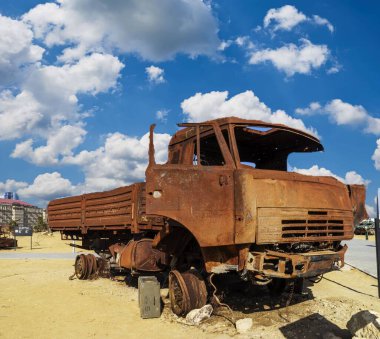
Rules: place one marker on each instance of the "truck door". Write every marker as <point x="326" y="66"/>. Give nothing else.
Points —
<point x="198" y="194"/>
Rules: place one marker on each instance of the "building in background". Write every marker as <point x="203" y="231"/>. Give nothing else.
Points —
<point x="24" y="214"/>
<point x="6" y="213"/>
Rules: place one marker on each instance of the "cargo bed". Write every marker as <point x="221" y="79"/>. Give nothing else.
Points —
<point x="119" y="209"/>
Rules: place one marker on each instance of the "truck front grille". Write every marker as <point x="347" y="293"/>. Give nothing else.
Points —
<point x="312" y="228"/>
<point x="283" y="225"/>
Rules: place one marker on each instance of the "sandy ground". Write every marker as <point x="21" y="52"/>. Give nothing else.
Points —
<point x="39" y="301"/>
<point x="362" y="237"/>
<point x="44" y="243"/>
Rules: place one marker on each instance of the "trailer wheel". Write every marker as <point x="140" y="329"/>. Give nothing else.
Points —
<point x="81" y="267"/>
<point x="187" y="291"/>
<point x="91" y="266"/>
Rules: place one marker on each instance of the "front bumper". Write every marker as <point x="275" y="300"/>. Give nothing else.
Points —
<point x="275" y="264"/>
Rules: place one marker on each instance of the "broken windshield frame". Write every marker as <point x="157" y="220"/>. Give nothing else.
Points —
<point x="242" y="145"/>
<point x="269" y="147"/>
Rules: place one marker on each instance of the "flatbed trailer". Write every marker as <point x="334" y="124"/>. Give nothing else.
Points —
<point x="117" y="211"/>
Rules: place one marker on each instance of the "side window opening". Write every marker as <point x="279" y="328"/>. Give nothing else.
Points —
<point x="210" y="152"/>
<point x="247" y="163"/>
<point x="195" y="156"/>
<point x="257" y="149"/>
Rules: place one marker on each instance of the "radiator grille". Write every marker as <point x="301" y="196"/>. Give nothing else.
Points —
<point x="284" y="225"/>
<point x="312" y="228"/>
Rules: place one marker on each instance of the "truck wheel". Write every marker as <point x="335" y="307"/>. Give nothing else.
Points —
<point x="81" y="267"/>
<point x="91" y="266"/>
<point x="187" y="291"/>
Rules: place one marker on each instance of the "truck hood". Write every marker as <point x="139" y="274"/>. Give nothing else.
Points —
<point x="272" y="204"/>
<point x="294" y="190"/>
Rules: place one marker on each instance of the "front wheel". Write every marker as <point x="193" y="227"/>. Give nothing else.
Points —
<point x="187" y="291"/>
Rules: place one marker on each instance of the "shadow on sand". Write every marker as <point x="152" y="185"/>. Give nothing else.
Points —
<point x="313" y="326"/>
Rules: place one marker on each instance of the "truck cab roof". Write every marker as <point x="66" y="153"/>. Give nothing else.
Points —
<point x="276" y="131"/>
<point x="263" y="144"/>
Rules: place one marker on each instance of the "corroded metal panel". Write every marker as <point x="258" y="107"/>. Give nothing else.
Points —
<point x="357" y="195"/>
<point x="201" y="199"/>
<point x="121" y="208"/>
<point x="245" y="207"/>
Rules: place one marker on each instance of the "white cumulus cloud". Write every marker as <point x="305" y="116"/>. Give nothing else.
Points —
<point x="323" y="22"/>
<point x="312" y="109"/>
<point x="376" y="155"/>
<point x="246" y="105"/>
<point x="292" y="59"/>
<point x="224" y="45"/>
<point x="60" y="143"/>
<point x="156" y="30"/>
<point x="19" y="114"/>
<point x="244" y="41"/>
<point x="11" y="185"/>
<point x="287" y="17"/>
<point x="16" y="49"/>
<point x="121" y="161"/>
<point x="155" y="74"/>
<point x="344" y="113"/>
<point x="38" y="99"/>
<point x="350" y="178"/>
<point x="48" y="186"/>
<point x="47" y="106"/>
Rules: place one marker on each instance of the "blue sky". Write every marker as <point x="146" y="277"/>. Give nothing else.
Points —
<point x="81" y="81"/>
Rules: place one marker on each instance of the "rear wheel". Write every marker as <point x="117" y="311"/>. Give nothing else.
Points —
<point x="187" y="291"/>
<point x="86" y="266"/>
<point x="81" y="267"/>
<point x="91" y="265"/>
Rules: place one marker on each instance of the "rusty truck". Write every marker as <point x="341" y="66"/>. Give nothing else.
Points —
<point x="223" y="202"/>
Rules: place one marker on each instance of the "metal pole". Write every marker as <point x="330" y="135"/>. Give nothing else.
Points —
<point x="377" y="235"/>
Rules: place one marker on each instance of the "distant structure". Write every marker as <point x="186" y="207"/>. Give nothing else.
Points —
<point x="24" y="214"/>
<point x="11" y="195"/>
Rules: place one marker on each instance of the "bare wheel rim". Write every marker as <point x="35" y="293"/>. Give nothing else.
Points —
<point x="81" y="266"/>
<point x="94" y="265"/>
<point x="89" y="266"/>
<point x="179" y="297"/>
<point x="196" y="288"/>
<point x="187" y="291"/>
